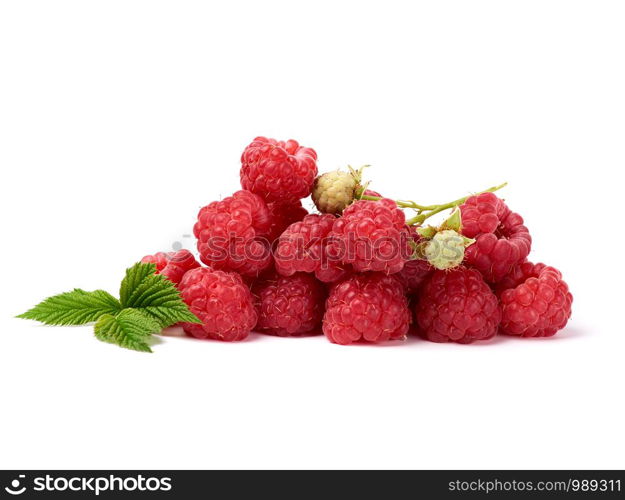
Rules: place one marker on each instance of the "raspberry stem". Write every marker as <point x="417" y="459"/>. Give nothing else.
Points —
<point x="426" y="211"/>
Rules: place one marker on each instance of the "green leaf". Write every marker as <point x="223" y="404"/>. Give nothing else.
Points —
<point x="467" y="241"/>
<point x="168" y="316"/>
<point x="155" y="295"/>
<point x="454" y="221"/>
<point x="427" y="232"/>
<point x="134" y="277"/>
<point x="130" y="328"/>
<point x="73" y="308"/>
<point x="148" y="303"/>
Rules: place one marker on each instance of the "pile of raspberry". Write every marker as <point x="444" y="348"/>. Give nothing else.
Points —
<point x="355" y="268"/>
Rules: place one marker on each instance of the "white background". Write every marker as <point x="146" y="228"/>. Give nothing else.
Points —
<point x="119" y="119"/>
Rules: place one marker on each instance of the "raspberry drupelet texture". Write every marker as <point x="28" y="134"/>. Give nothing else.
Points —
<point x="302" y="247"/>
<point x="172" y="265"/>
<point x="371" y="236"/>
<point x="414" y="274"/>
<point x="333" y="191"/>
<point x="159" y="259"/>
<point x="283" y="215"/>
<point x="232" y="234"/>
<point x="332" y="271"/>
<point x="457" y="306"/>
<point x="517" y="275"/>
<point x="367" y="307"/>
<point x="369" y="192"/>
<point x="221" y="301"/>
<point x="502" y="241"/>
<point x="278" y="170"/>
<point x="289" y="305"/>
<point x="537" y="302"/>
<point x="415" y="271"/>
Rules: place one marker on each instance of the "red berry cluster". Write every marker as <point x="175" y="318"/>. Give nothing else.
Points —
<point x="362" y="273"/>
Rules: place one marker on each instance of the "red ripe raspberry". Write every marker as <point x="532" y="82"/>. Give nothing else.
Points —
<point x="368" y="307"/>
<point x="332" y="271"/>
<point x="416" y="271"/>
<point x="289" y="305"/>
<point x="414" y="274"/>
<point x="278" y="170"/>
<point x="232" y="234"/>
<point x="370" y="192"/>
<point x="283" y="215"/>
<point x="517" y="275"/>
<point x="303" y="248"/>
<point x="222" y="301"/>
<point x="159" y="259"/>
<point x="371" y="236"/>
<point x="457" y="306"/>
<point x="538" y="302"/>
<point x="172" y="265"/>
<point x="502" y="241"/>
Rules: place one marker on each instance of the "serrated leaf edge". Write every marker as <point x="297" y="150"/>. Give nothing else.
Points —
<point x="63" y="317"/>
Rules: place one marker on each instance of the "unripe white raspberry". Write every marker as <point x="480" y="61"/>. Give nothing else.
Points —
<point x="333" y="191"/>
<point x="446" y="249"/>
